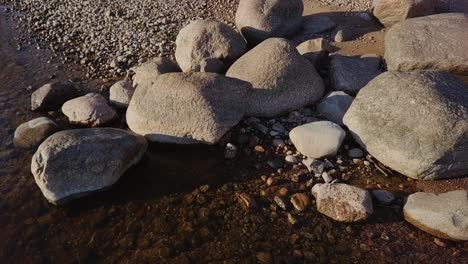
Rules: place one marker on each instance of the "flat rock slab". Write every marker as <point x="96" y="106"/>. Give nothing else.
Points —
<point x="70" y="164"/>
<point x="32" y="133"/>
<point x="443" y="215"/>
<point x="438" y="42"/>
<point x="89" y="110"/>
<point x="187" y="108"/>
<point x="342" y="202"/>
<point x="318" y="139"/>
<point x="414" y="122"/>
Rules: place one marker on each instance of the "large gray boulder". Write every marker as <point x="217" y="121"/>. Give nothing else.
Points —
<point x="150" y="70"/>
<point x="259" y="20"/>
<point x="282" y="79"/>
<point x="414" y="122"/>
<point x="208" y="46"/>
<point x="89" y="110"/>
<point x="342" y="202"/>
<point x="121" y="93"/>
<point x="51" y="96"/>
<point x="390" y="12"/>
<point x="350" y="74"/>
<point x="318" y="139"/>
<point x="437" y="42"/>
<point x="443" y="215"/>
<point x="70" y="164"/>
<point x="33" y="132"/>
<point x="187" y="108"/>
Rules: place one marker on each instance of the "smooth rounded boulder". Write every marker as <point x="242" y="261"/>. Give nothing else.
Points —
<point x="51" y="96"/>
<point x="443" y="215"/>
<point x="414" y="122"/>
<point x="208" y="46"/>
<point x="89" y="110"/>
<point x="73" y="163"/>
<point x="437" y="42"/>
<point x="152" y="69"/>
<point x="334" y="106"/>
<point x="318" y="139"/>
<point x="121" y="93"/>
<point x="390" y="12"/>
<point x="281" y="78"/>
<point x="259" y="20"/>
<point x="32" y="133"/>
<point x="187" y="108"/>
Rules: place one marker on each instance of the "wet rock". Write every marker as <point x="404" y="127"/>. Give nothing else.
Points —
<point x="318" y="139"/>
<point x="246" y="201"/>
<point x="121" y="93"/>
<point x="343" y="202"/>
<point x="443" y="215"/>
<point x="422" y="43"/>
<point x="426" y="141"/>
<point x="383" y="196"/>
<point x="210" y="99"/>
<point x="259" y="20"/>
<point x="208" y="45"/>
<point x="152" y="69"/>
<point x="390" y="12"/>
<point x="350" y="74"/>
<point x="316" y="51"/>
<point x="70" y="164"/>
<point x="300" y="201"/>
<point x="335" y="105"/>
<point x="89" y="110"/>
<point x="52" y="95"/>
<point x="291" y="84"/>
<point x="32" y="133"/>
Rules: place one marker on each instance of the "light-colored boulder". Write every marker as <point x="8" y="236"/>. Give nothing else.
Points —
<point x="414" y="122"/>
<point x="443" y="215"/>
<point x="187" y="108"/>
<point x="89" y="110"/>
<point x="150" y="70"/>
<point x="259" y="20"/>
<point x="316" y="50"/>
<point x="342" y="202"/>
<point x="350" y="74"/>
<point x="390" y="12"/>
<point x="121" y="93"/>
<point x="70" y="164"/>
<point x="281" y="78"/>
<point x="318" y="139"/>
<point x="208" y="46"/>
<point x="32" y="133"/>
<point x="52" y="95"/>
<point x="335" y="105"/>
<point x="437" y="42"/>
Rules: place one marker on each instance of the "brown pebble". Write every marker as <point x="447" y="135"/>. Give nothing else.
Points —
<point x="300" y="201"/>
<point x="264" y="257"/>
<point x="292" y="220"/>
<point x="439" y="242"/>
<point x="247" y="201"/>
<point x="283" y="191"/>
<point x="259" y="149"/>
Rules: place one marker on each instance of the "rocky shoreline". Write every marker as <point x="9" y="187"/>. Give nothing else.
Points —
<point x="273" y="170"/>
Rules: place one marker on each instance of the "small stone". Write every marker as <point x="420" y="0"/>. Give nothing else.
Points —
<point x="292" y="219"/>
<point x="280" y="202"/>
<point x="90" y="110"/>
<point x="259" y="149"/>
<point x="439" y="242"/>
<point x="335" y="105"/>
<point x="383" y="197"/>
<point x="230" y="151"/>
<point x="278" y="143"/>
<point x="355" y="153"/>
<point x="291" y="159"/>
<point x="300" y="201"/>
<point x="264" y="257"/>
<point x="247" y="201"/>
<point x="32" y="133"/>
<point x="121" y="93"/>
<point x="326" y="177"/>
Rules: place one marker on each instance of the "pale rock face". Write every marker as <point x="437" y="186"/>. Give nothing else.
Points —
<point x="443" y="215"/>
<point x="208" y="46"/>
<point x="414" y="122"/>
<point x="342" y="202"/>
<point x="259" y="20"/>
<point x="33" y="132"/>
<point x="187" y="108"/>
<point x="70" y="164"/>
<point x="152" y="69"/>
<point x="89" y="110"/>
<point x="121" y="93"/>
<point x="318" y="139"/>
<point x="437" y="42"/>
<point x="390" y="12"/>
<point x="281" y="78"/>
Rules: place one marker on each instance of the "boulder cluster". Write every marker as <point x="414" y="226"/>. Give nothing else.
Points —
<point x="413" y="117"/>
